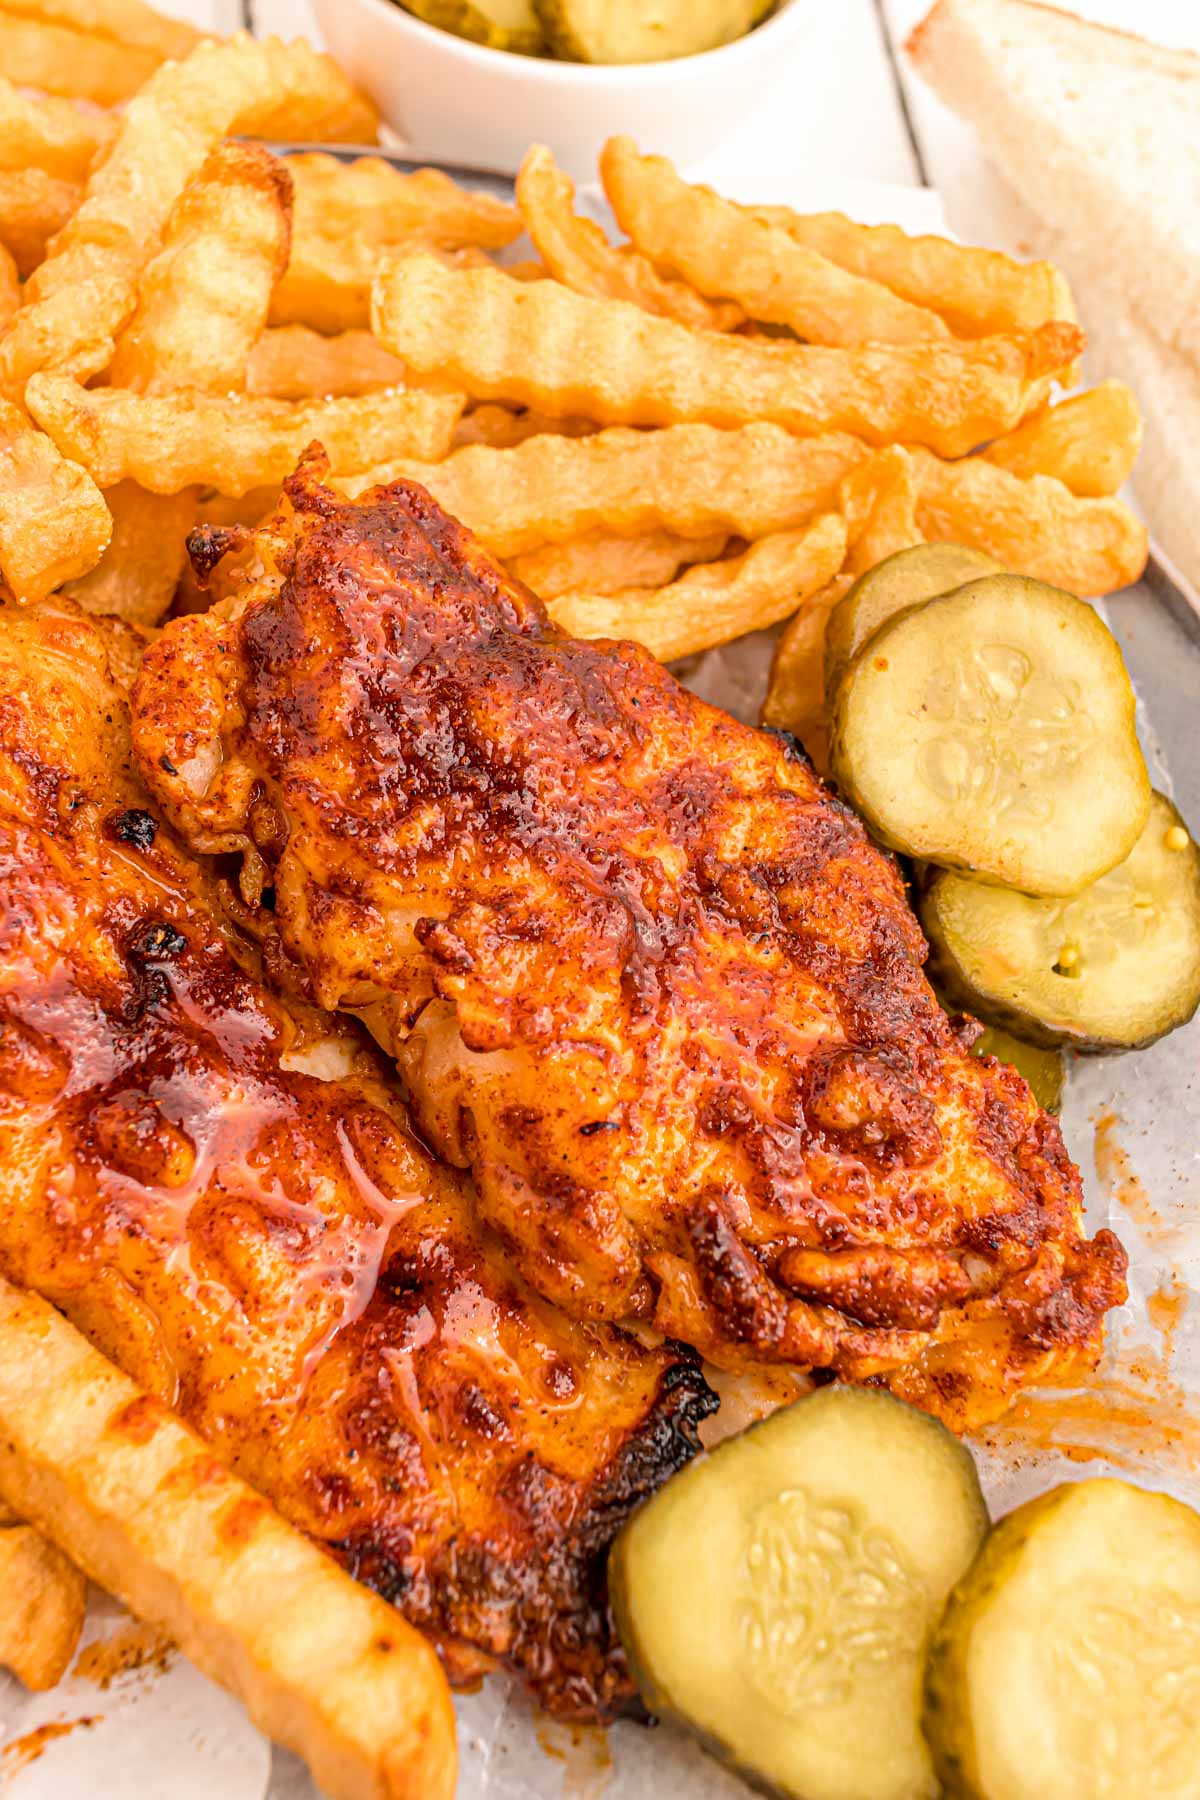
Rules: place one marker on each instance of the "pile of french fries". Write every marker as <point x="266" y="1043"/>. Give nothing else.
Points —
<point x="707" y="429"/>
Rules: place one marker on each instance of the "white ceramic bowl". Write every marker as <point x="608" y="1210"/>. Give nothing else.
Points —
<point x="455" y="101"/>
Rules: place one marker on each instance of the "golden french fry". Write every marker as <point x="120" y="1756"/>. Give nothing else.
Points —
<point x="502" y="429"/>
<point x="137" y="576"/>
<point x="84" y="292"/>
<point x="76" y="63"/>
<point x="1034" y="527"/>
<point x="691" y="479"/>
<point x="202" y="304"/>
<point x="127" y="22"/>
<point x="51" y="134"/>
<point x="979" y="293"/>
<point x="348" y="214"/>
<point x="368" y="199"/>
<point x="34" y="207"/>
<point x="144" y="1507"/>
<point x="292" y="362"/>
<point x="1089" y="442"/>
<point x="577" y="253"/>
<point x="53" y="521"/>
<point x="602" y="563"/>
<point x="714" y="601"/>
<point x="242" y="509"/>
<point x="318" y="103"/>
<point x="795" y="699"/>
<point x="528" y="269"/>
<point x="10" y="287"/>
<point x="879" y="503"/>
<point x="327" y="283"/>
<point x="232" y="442"/>
<point x="203" y="300"/>
<point x="42" y="1609"/>
<point x="543" y="346"/>
<point x="723" y="249"/>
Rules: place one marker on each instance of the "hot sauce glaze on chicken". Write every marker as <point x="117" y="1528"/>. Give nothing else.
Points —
<point x="644" y="976"/>
<point x="220" y="1188"/>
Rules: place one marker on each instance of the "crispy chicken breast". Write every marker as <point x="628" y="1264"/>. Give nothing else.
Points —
<point x="221" y="1190"/>
<point x="644" y="976"/>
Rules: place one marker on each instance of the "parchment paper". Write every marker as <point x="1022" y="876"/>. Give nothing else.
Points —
<point x="1130" y="1122"/>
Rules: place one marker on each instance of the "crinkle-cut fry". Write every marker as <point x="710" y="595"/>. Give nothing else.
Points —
<point x="10" y="287"/>
<point x="879" y="503"/>
<point x="42" y="1610"/>
<point x="530" y="268"/>
<point x="124" y="21"/>
<point x="323" y="1665"/>
<point x="713" y="602"/>
<point x="76" y="64"/>
<point x="293" y="362"/>
<point x="85" y="290"/>
<point x="370" y="199"/>
<point x="1089" y="442"/>
<point x="795" y="698"/>
<point x="243" y="509"/>
<point x="723" y="249"/>
<point x="328" y="280"/>
<point x="977" y="292"/>
<point x="54" y="524"/>
<point x="34" y="207"/>
<point x="137" y="576"/>
<point x="543" y="346"/>
<point x="501" y="429"/>
<point x="233" y="442"/>
<point x="690" y="479"/>
<point x="203" y="300"/>
<point x="603" y="563"/>
<point x="51" y="134"/>
<point x="202" y="305"/>
<point x="319" y="104"/>
<point x="1034" y="526"/>
<point x="577" y="253"/>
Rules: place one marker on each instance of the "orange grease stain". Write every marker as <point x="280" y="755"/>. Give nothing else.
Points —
<point x="133" y="1648"/>
<point x="1130" y="1412"/>
<point x="1116" y="1175"/>
<point x="585" y="1754"/>
<point x="25" y="1750"/>
<point x="1165" y="1308"/>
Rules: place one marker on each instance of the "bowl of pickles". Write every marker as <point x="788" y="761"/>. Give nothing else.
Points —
<point x="474" y="82"/>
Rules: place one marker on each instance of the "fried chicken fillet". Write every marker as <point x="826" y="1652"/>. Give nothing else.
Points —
<point x="642" y="973"/>
<point x="272" y="1253"/>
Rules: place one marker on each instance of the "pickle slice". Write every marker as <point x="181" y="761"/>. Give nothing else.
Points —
<point x="905" y="579"/>
<point x="992" y="729"/>
<point x="1110" y="969"/>
<point x="1068" y="1660"/>
<point x="500" y="24"/>
<point x="632" y="31"/>
<point x="777" y="1597"/>
<point x="1042" y="1068"/>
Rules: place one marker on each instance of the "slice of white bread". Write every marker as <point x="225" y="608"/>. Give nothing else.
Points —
<point x="1097" y="130"/>
<point x="1099" y="133"/>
